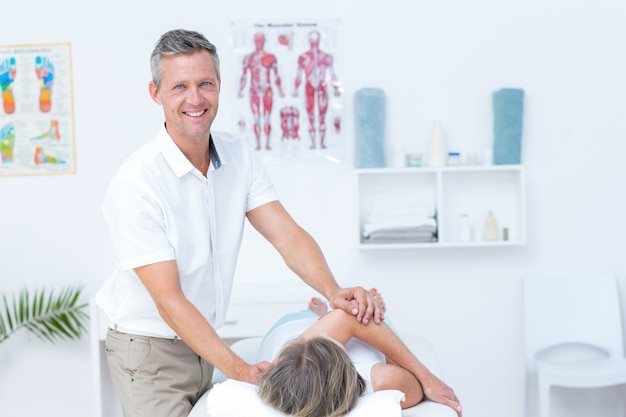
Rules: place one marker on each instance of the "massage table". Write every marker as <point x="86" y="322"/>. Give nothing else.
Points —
<point x="246" y="348"/>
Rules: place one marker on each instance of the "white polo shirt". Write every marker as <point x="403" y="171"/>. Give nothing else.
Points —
<point x="159" y="207"/>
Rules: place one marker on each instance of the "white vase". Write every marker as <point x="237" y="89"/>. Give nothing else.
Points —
<point x="437" y="147"/>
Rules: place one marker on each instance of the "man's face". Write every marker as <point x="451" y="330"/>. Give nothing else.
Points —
<point x="189" y="94"/>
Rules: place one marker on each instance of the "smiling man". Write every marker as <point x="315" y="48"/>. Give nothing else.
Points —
<point x="176" y="210"/>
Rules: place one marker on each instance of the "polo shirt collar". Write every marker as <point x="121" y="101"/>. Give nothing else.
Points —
<point x="177" y="160"/>
<point x="216" y="161"/>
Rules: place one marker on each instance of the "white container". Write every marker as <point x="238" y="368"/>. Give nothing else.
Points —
<point x="437" y="149"/>
<point x="454" y="158"/>
<point x="465" y="228"/>
<point x="491" y="227"/>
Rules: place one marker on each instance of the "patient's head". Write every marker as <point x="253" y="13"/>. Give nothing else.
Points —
<point x="312" y="378"/>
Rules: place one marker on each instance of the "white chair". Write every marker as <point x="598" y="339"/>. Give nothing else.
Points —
<point x="573" y="335"/>
<point x="247" y="348"/>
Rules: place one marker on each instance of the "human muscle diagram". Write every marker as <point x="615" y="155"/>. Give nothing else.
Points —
<point x="290" y="89"/>
<point x="36" y="119"/>
<point x="313" y="66"/>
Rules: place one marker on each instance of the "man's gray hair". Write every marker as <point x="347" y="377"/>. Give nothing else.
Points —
<point x="179" y="41"/>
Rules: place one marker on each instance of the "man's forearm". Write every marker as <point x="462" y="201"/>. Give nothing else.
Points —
<point x="185" y="319"/>
<point x="306" y="260"/>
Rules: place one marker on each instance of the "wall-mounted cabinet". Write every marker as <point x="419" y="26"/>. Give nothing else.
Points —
<point x="392" y="202"/>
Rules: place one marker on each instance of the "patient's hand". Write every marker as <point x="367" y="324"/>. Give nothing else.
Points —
<point x="436" y="390"/>
<point x="378" y="300"/>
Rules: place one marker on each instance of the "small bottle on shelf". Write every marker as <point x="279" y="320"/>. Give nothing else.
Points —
<point x="491" y="227"/>
<point x="454" y="158"/>
<point x="465" y="228"/>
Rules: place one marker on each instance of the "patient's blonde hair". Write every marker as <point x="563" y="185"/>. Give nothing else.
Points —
<point x="312" y="378"/>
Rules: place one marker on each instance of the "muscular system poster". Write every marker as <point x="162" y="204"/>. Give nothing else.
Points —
<point x="289" y="89"/>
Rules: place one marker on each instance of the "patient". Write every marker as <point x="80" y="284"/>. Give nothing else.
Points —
<point x="323" y="361"/>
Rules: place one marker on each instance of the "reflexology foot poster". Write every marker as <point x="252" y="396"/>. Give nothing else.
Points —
<point x="289" y="88"/>
<point x="36" y="117"/>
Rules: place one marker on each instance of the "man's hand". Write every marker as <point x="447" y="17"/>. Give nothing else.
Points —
<point x="251" y="373"/>
<point x="359" y="302"/>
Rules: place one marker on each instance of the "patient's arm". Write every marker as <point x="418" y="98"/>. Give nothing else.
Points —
<point x="342" y="327"/>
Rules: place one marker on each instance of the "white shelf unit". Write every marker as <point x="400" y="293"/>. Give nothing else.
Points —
<point x="473" y="190"/>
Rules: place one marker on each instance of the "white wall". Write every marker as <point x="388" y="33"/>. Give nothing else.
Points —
<point x="438" y="59"/>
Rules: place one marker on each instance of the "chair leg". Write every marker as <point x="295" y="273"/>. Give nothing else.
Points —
<point x="544" y="398"/>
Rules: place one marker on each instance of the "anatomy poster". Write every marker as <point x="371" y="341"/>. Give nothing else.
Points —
<point x="289" y="89"/>
<point x="36" y="118"/>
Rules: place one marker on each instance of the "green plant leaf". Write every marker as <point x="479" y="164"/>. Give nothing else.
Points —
<point x="48" y="316"/>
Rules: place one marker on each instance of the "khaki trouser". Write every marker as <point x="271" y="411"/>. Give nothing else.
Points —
<point x="156" y="377"/>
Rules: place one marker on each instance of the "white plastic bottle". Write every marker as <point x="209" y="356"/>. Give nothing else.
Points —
<point x="491" y="227"/>
<point x="465" y="228"/>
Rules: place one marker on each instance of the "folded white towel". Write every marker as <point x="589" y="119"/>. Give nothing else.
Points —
<point x="397" y="223"/>
<point x="404" y="235"/>
<point x="406" y="217"/>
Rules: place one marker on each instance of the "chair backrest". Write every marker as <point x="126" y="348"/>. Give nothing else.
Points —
<point x="572" y="309"/>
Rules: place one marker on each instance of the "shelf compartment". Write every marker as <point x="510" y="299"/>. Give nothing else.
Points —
<point x="473" y="190"/>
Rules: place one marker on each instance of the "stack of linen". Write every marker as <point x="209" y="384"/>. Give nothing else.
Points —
<point x="395" y="222"/>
